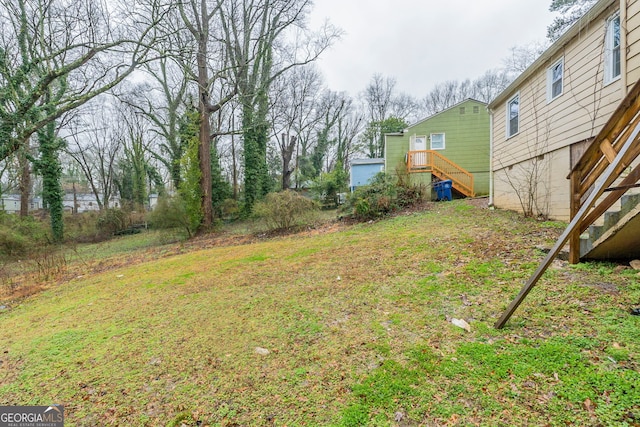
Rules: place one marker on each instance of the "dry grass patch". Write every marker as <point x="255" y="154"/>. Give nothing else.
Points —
<point x="339" y="328"/>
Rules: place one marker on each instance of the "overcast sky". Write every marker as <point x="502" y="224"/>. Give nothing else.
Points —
<point x="424" y="42"/>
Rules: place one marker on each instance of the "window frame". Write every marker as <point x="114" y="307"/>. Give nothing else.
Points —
<point x="551" y="81"/>
<point x="509" y="132"/>
<point x="431" y="141"/>
<point x="610" y="50"/>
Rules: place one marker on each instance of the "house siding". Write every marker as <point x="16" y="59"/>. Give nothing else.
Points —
<point x="396" y="148"/>
<point x="466" y="142"/>
<point x="632" y="31"/>
<point x="549" y="128"/>
<point x="362" y="174"/>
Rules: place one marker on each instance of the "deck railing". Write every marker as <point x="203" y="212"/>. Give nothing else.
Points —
<point x="443" y="168"/>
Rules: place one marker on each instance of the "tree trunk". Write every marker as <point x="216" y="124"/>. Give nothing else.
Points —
<point x="50" y="170"/>
<point x="204" y="151"/>
<point x="25" y="181"/>
<point x="235" y="164"/>
<point x="287" y="145"/>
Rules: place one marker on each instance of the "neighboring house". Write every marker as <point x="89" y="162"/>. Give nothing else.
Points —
<point x="363" y="170"/>
<point x="85" y="202"/>
<point x="545" y="120"/>
<point x="10" y="203"/>
<point x="452" y="144"/>
<point x="82" y="202"/>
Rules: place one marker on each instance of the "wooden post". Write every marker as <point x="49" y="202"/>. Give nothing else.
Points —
<point x="574" y="239"/>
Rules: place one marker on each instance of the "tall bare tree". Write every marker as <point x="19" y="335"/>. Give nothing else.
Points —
<point x="265" y="38"/>
<point x="96" y="145"/>
<point x="203" y="18"/>
<point x="295" y="98"/>
<point x="382" y="103"/>
<point x="72" y="47"/>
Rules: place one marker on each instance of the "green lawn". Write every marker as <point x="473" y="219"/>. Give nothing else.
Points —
<point x="350" y="327"/>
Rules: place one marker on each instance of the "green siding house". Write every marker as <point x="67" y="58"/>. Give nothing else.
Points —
<point x="452" y="144"/>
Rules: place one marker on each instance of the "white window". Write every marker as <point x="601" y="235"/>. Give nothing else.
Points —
<point x="513" y="116"/>
<point x="612" y="49"/>
<point x="437" y="141"/>
<point x="555" y="77"/>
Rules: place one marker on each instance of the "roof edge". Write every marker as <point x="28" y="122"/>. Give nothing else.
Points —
<point x="445" y="110"/>
<point x="592" y="14"/>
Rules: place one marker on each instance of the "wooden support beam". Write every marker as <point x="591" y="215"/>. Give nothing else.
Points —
<point x="601" y="166"/>
<point x="623" y="187"/>
<point x="608" y="201"/>
<point x="608" y="150"/>
<point x="621" y="117"/>
<point x="600" y="186"/>
<point x="574" y="240"/>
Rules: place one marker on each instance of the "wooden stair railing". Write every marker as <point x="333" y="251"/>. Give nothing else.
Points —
<point x="593" y="163"/>
<point x="611" y="152"/>
<point x="441" y="167"/>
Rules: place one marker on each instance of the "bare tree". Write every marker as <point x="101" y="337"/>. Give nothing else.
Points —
<point x="295" y="97"/>
<point x="96" y="146"/>
<point x="264" y="39"/>
<point x="71" y="47"/>
<point x="348" y="126"/>
<point x="202" y="19"/>
<point x="490" y="84"/>
<point x="570" y="11"/>
<point x="521" y="57"/>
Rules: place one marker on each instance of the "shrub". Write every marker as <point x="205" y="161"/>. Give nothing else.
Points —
<point x="373" y="200"/>
<point x="382" y="196"/>
<point x="230" y="209"/>
<point x="111" y="220"/>
<point x="22" y="236"/>
<point x="171" y="212"/>
<point x="285" y="210"/>
<point x="409" y="193"/>
<point x="12" y="243"/>
<point x="83" y="228"/>
<point x="326" y="187"/>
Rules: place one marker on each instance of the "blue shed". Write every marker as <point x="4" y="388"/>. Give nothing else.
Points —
<point x="362" y="170"/>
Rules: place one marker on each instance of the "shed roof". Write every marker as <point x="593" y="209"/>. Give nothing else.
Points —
<point x="366" y="161"/>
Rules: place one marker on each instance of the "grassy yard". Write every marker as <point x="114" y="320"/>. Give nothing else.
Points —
<point x="347" y="327"/>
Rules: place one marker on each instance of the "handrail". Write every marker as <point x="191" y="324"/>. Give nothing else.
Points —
<point x="443" y="168"/>
<point x="602" y="151"/>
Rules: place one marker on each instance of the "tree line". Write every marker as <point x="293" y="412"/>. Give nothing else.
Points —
<point x="210" y="100"/>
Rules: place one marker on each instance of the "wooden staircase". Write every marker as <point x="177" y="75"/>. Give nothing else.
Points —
<point x="441" y="167"/>
<point x="598" y="172"/>
<point x="594" y="170"/>
<point x="618" y="236"/>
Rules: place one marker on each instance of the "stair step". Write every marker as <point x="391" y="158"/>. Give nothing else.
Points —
<point x="595" y="231"/>
<point x="611" y="219"/>
<point x="629" y="202"/>
<point x="585" y="245"/>
<point x="626" y="204"/>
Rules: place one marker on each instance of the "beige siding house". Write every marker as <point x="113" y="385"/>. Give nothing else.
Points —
<point x="544" y="120"/>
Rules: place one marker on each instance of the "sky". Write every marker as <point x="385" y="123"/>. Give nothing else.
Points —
<point x="421" y="43"/>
